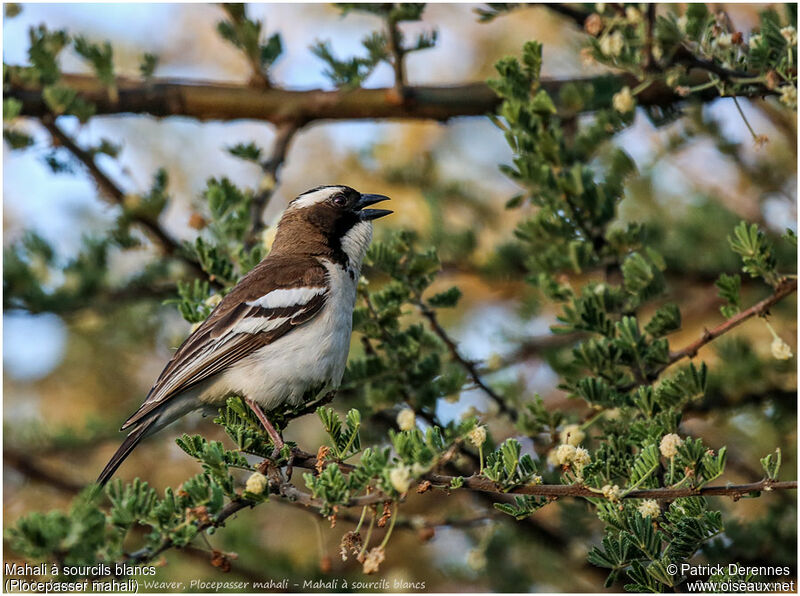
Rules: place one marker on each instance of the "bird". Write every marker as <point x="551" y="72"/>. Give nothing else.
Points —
<point x="283" y="329"/>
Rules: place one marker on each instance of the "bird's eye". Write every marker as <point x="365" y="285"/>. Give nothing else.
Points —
<point x="340" y="200"/>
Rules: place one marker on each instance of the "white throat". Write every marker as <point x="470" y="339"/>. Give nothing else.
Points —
<point x="356" y="242"/>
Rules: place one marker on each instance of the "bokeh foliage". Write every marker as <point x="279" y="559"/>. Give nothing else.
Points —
<point x="588" y="248"/>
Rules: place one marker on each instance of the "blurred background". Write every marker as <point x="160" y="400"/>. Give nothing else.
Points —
<point x="71" y="377"/>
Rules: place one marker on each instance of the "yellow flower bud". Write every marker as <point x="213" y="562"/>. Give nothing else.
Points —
<point x="669" y="445"/>
<point x="649" y="508"/>
<point x="400" y="478"/>
<point x="406" y="419"/>
<point x="256" y="484"/>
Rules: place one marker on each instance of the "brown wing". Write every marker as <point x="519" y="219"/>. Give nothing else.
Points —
<point x="240" y="325"/>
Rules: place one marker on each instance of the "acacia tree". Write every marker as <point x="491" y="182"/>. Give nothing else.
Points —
<point x="627" y="454"/>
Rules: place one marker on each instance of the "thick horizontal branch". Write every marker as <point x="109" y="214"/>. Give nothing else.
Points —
<point x="31" y="469"/>
<point x="574" y="490"/>
<point x="478" y="483"/>
<point x="218" y="101"/>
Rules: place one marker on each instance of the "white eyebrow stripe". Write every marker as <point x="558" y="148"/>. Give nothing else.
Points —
<point x="284" y="298"/>
<point x="312" y="198"/>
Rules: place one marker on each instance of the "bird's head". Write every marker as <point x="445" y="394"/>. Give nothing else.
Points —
<point x="333" y="219"/>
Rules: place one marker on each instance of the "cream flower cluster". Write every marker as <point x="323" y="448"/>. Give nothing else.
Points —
<point x="669" y="445"/>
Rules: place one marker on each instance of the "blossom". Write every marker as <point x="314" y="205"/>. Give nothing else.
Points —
<point x="649" y="508"/>
<point x="612" y="493"/>
<point x="256" y="483"/>
<point x="724" y="40"/>
<point x="657" y="51"/>
<point x="780" y="349"/>
<point x="213" y="300"/>
<point x="611" y="45"/>
<point x="789" y="96"/>
<point x="476" y="559"/>
<point x="790" y="35"/>
<point x="581" y="457"/>
<point x="623" y="101"/>
<point x="565" y="454"/>
<point x="400" y="477"/>
<point x="406" y="419"/>
<point x="373" y="560"/>
<point x="669" y="445"/>
<point x="754" y="41"/>
<point x="477" y="436"/>
<point x="633" y="15"/>
<point x="572" y="435"/>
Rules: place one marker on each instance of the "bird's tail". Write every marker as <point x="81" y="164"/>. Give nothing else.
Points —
<point x="133" y="438"/>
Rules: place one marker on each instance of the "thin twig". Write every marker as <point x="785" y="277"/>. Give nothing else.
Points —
<point x="468" y="365"/>
<point x="284" y="133"/>
<point x="398" y="55"/>
<point x="116" y="196"/>
<point x="785" y="287"/>
<point x="650" y="20"/>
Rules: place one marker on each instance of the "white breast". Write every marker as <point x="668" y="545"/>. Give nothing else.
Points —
<point x="313" y="353"/>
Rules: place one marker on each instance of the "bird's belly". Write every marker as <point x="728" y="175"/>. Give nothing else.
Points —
<point x="312" y="354"/>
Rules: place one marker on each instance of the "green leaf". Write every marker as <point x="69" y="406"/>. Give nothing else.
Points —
<point x="17" y="140"/>
<point x="729" y="286"/>
<point x="447" y="299"/>
<point x="249" y="151"/>
<point x="771" y="464"/>
<point x="148" y="65"/>
<point x="542" y="103"/>
<point x="665" y="320"/>
<point x="12" y="9"/>
<point x="758" y="257"/>
<point x="12" y="108"/>
<point x="58" y="98"/>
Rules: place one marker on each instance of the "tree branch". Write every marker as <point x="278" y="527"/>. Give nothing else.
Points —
<point x="574" y="490"/>
<point x="481" y="484"/>
<point x="468" y="365"/>
<point x="284" y="134"/>
<point x="217" y="101"/>
<point x="398" y="55"/>
<point x="474" y="483"/>
<point x="784" y="288"/>
<point x="116" y="196"/>
<point x="31" y="469"/>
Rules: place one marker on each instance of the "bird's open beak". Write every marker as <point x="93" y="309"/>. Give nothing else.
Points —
<point x="369" y="214"/>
